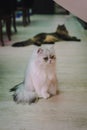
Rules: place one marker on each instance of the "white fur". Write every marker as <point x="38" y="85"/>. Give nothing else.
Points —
<point x="40" y="79"/>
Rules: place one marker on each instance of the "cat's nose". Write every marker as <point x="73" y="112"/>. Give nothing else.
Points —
<point x="50" y="61"/>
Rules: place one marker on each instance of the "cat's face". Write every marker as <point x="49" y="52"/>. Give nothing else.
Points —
<point x="61" y="29"/>
<point x="46" y="57"/>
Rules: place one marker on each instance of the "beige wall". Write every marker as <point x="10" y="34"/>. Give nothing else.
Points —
<point x="76" y="7"/>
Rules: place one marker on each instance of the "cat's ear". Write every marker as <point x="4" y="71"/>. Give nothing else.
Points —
<point x="40" y="51"/>
<point x="52" y="48"/>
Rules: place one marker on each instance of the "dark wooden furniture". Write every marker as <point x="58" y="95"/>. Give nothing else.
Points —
<point x="7" y="21"/>
<point x="83" y="23"/>
<point x="7" y="14"/>
<point x="24" y="6"/>
<point x="43" y="7"/>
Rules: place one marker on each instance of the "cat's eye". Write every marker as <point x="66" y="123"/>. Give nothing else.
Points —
<point x="45" y="58"/>
<point x="53" y="57"/>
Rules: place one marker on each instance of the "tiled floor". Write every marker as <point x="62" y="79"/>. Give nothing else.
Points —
<point x="66" y="111"/>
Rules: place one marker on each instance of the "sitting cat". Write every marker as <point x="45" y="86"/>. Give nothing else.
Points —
<point x="61" y="34"/>
<point x="40" y="79"/>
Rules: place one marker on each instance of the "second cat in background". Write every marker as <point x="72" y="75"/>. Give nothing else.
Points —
<point x="61" y="34"/>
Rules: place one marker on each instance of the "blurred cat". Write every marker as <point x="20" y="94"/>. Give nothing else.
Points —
<point x="40" y="79"/>
<point x="61" y="34"/>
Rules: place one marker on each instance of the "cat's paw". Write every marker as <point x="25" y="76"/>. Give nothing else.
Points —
<point x="46" y="95"/>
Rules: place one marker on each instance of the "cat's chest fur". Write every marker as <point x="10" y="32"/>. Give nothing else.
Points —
<point x="44" y="74"/>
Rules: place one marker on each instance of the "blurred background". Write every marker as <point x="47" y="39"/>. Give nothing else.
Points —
<point x="11" y="10"/>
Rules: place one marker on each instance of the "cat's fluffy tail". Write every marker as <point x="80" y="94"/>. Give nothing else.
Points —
<point x="22" y="95"/>
<point x="23" y="43"/>
<point x="26" y="43"/>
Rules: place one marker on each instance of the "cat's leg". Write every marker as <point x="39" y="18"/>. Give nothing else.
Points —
<point x="53" y="88"/>
<point x="71" y="38"/>
<point x="44" y="92"/>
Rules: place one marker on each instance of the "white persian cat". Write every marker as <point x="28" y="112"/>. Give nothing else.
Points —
<point x="40" y="79"/>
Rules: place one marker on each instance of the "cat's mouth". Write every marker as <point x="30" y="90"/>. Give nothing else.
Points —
<point x="50" y="62"/>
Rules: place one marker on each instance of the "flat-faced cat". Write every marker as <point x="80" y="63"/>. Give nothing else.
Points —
<point x="40" y="79"/>
<point x="61" y="34"/>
